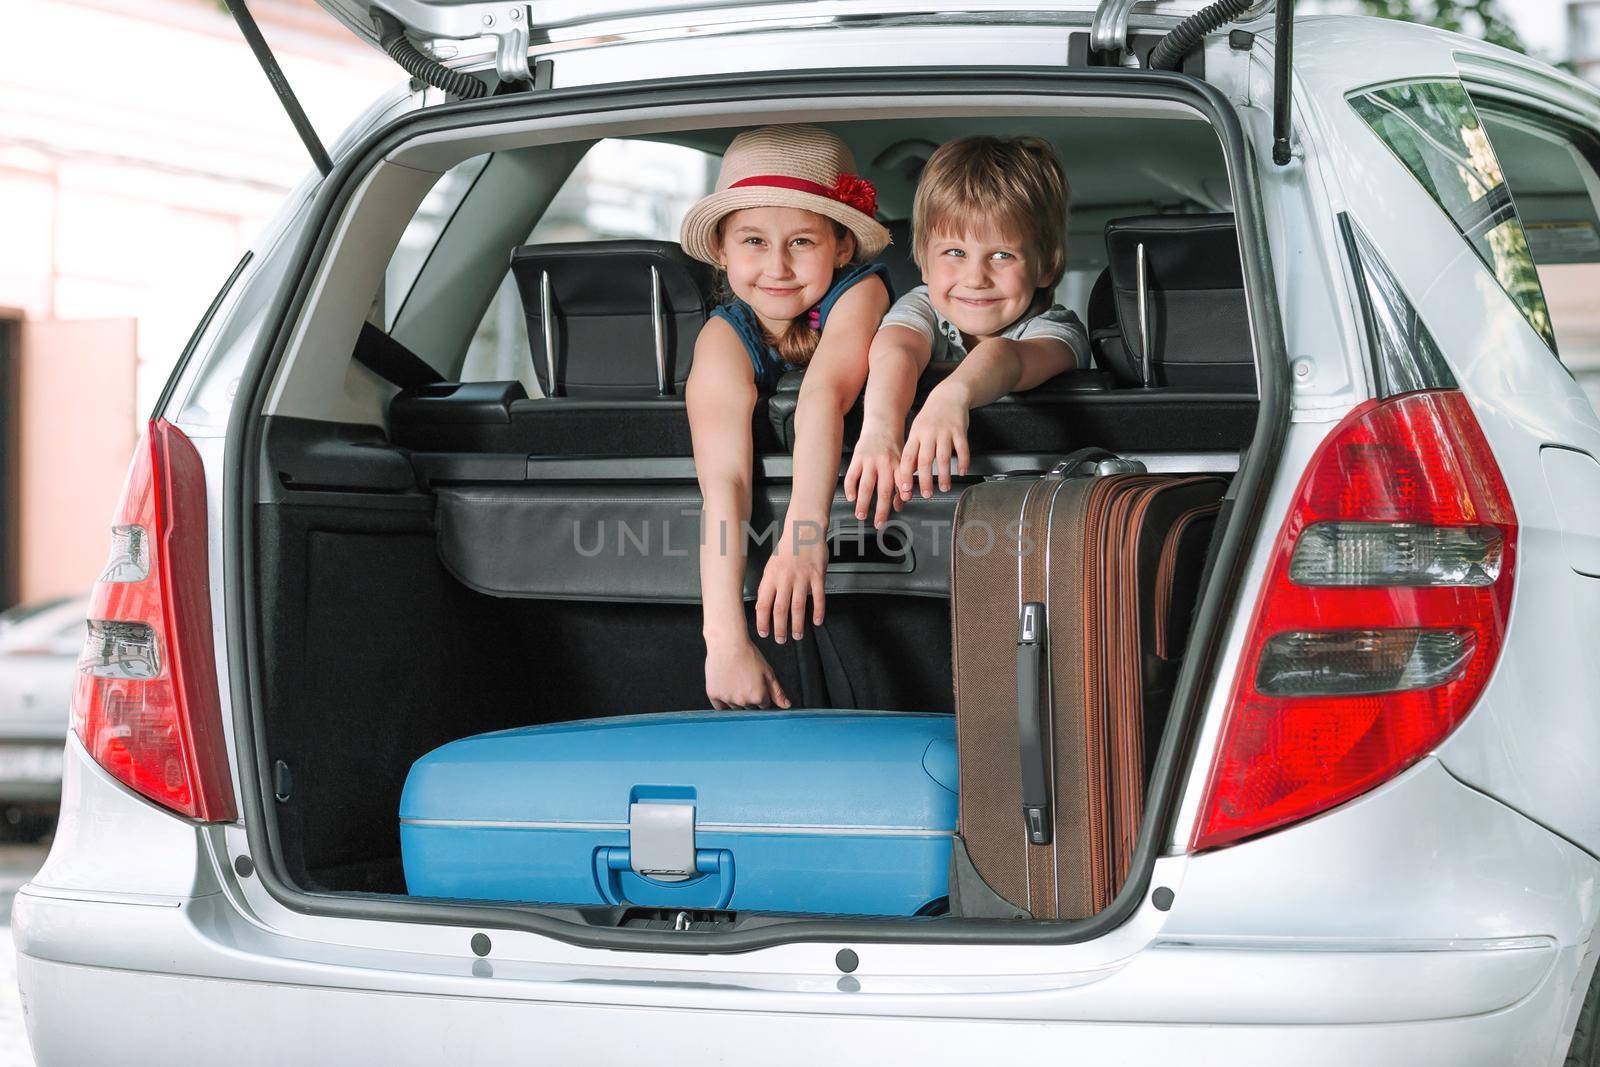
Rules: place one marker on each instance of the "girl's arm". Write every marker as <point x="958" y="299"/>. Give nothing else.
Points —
<point x="991" y="370"/>
<point x="898" y="357"/>
<point x="833" y="381"/>
<point x="721" y="397"/>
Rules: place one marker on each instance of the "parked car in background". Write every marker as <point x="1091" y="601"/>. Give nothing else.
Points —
<point x="39" y="648"/>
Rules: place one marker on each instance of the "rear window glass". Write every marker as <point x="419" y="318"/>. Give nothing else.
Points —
<point x="1552" y="174"/>
<point x="621" y="189"/>
<point x="1435" y="131"/>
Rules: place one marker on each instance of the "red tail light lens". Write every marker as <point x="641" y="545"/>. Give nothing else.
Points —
<point x="1382" y="616"/>
<point x="146" y="705"/>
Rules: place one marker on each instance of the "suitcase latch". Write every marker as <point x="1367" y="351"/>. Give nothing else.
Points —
<point x="661" y="840"/>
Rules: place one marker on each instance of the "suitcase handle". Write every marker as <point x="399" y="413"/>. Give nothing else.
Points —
<point x="1094" y="461"/>
<point x="1031" y="642"/>
<point x="614" y="877"/>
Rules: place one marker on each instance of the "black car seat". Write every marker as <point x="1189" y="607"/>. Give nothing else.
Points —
<point x="612" y="319"/>
<point x="612" y="327"/>
<point x="1170" y="308"/>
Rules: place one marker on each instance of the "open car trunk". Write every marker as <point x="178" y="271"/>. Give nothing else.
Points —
<point x="485" y="560"/>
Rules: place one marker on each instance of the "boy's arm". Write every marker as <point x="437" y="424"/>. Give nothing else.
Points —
<point x="832" y="382"/>
<point x="720" y="396"/>
<point x="897" y="359"/>
<point x="999" y="366"/>
<point x="991" y="370"/>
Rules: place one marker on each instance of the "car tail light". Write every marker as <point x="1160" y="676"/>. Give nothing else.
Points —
<point x="146" y="705"/>
<point x="1382" y="616"/>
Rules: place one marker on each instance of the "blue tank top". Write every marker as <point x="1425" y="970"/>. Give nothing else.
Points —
<point x="764" y="359"/>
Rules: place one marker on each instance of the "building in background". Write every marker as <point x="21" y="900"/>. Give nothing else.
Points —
<point x="128" y="191"/>
<point x="1583" y="37"/>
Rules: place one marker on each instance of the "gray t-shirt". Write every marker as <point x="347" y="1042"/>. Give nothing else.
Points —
<point x="915" y="311"/>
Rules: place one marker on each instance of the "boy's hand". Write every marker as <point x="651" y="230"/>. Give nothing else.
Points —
<point x="793" y="573"/>
<point x="738" y="676"/>
<point x="872" y="472"/>
<point x="937" y="433"/>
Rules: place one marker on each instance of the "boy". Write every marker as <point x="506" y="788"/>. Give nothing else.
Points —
<point x="988" y="229"/>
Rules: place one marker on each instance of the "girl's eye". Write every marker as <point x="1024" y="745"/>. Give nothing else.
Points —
<point x="959" y="253"/>
<point x="1003" y="255"/>
<point x="752" y="240"/>
<point x="801" y="241"/>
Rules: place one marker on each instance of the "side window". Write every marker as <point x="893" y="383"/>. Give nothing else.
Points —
<point x="1552" y="172"/>
<point x="1432" y="127"/>
<point x="621" y="189"/>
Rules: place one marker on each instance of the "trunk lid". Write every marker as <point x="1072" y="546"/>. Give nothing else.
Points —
<point x="426" y="20"/>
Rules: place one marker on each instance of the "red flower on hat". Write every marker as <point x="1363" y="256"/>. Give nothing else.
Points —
<point x="855" y="191"/>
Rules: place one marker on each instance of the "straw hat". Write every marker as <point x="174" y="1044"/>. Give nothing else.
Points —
<point x="787" y="166"/>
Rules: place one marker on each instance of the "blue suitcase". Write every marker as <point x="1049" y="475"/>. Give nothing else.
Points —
<point x="805" y="811"/>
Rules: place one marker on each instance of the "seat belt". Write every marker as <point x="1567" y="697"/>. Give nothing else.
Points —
<point x="391" y="360"/>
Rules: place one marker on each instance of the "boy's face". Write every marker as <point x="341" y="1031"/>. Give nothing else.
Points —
<point x="780" y="260"/>
<point x="982" y="280"/>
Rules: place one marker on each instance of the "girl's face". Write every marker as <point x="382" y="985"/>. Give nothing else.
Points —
<point x="780" y="260"/>
<point x="982" y="281"/>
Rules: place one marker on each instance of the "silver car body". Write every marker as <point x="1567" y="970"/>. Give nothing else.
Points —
<point x="1447" y="916"/>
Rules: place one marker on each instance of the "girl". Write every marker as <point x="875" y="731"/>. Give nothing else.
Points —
<point x="787" y="221"/>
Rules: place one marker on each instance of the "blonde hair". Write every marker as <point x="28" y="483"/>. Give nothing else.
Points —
<point x="1016" y="182"/>
<point x="798" y="343"/>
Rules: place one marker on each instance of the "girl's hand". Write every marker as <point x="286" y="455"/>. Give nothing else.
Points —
<point x="872" y="471"/>
<point x="738" y="676"/>
<point x="937" y="433"/>
<point x="793" y="572"/>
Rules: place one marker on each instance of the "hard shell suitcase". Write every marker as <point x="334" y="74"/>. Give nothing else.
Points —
<point x="1063" y="644"/>
<point x="801" y="811"/>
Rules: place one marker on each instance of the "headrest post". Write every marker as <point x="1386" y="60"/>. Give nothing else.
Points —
<point x="659" y="323"/>
<point x="547" y="320"/>
<point x="1144" y="316"/>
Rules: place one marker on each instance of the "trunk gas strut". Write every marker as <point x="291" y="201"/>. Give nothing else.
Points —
<point x="280" y="84"/>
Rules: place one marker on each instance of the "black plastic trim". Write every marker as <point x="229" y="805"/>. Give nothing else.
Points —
<point x="1217" y="600"/>
<point x="1421" y="375"/>
<point x="309" y="454"/>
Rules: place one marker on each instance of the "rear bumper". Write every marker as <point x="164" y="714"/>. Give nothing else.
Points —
<point x="1358" y="937"/>
<point x="1469" y="1002"/>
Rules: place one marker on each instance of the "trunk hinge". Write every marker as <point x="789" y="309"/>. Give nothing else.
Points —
<point x="506" y="23"/>
<point x="280" y="85"/>
<point x="1109" y="36"/>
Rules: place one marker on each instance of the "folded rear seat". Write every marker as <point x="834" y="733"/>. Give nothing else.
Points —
<point x="1020" y="422"/>
<point x="1196" y="388"/>
<point x="612" y="327"/>
<point x="1170" y="310"/>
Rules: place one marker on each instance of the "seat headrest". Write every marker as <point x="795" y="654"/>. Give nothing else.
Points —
<point x="621" y="316"/>
<point x="1194" y="317"/>
<point x="904" y="274"/>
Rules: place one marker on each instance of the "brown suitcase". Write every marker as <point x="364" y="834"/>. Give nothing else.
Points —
<point x="1069" y="595"/>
